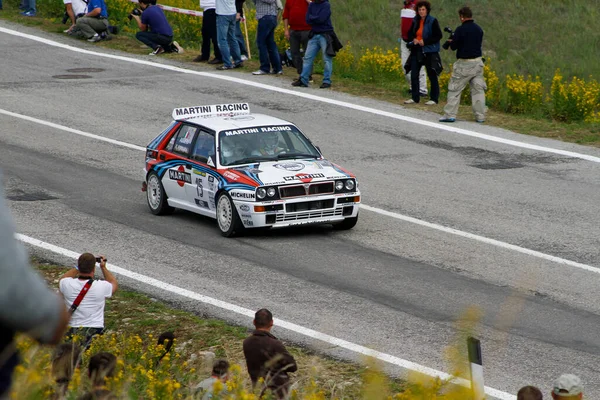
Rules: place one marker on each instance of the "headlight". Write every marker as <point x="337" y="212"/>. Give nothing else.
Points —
<point x="339" y="185"/>
<point x="261" y="193"/>
<point x="349" y="184"/>
<point x="271" y="192"/>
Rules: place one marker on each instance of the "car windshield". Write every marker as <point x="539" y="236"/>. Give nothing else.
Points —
<point x="264" y="143"/>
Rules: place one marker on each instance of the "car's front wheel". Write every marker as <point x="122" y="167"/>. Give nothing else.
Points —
<point x="346" y="224"/>
<point x="227" y="217"/>
<point x="157" y="198"/>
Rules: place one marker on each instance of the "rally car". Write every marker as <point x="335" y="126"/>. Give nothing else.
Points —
<point x="247" y="171"/>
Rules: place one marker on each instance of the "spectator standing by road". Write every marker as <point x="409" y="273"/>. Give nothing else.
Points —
<point x="155" y="31"/>
<point x="266" y="357"/>
<point x="239" y="6"/>
<point x="296" y="30"/>
<point x="209" y="33"/>
<point x="227" y="16"/>
<point x="424" y="40"/>
<point x="529" y="393"/>
<point x="323" y="38"/>
<point x="567" y="387"/>
<point x="266" y="14"/>
<point x="94" y="22"/>
<point x="468" y="69"/>
<point x="407" y="15"/>
<point x="28" y="7"/>
<point x="26" y="303"/>
<point x="87" y="319"/>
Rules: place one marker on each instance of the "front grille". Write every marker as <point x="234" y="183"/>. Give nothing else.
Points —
<point x="308" y="189"/>
<point x="309" y="205"/>
<point x="307" y="216"/>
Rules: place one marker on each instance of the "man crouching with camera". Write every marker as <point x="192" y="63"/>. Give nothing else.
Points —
<point x="86" y="297"/>
<point x="468" y="68"/>
<point x="160" y="36"/>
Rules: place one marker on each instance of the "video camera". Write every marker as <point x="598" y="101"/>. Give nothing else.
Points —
<point x="66" y="17"/>
<point x="135" y="11"/>
<point x="446" y="44"/>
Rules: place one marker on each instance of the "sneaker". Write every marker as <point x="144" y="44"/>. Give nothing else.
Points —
<point x="224" y="67"/>
<point x="280" y="72"/>
<point x="28" y="13"/>
<point x="423" y="94"/>
<point x="96" y="38"/>
<point x="430" y="103"/>
<point x="67" y="30"/>
<point x="310" y="79"/>
<point x="157" y="51"/>
<point x="177" y="48"/>
<point x="480" y="121"/>
<point x="409" y="101"/>
<point x="260" y="72"/>
<point x="447" y="119"/>
<point x="239" y="65"/>
<point x="325" y="86"/>
<point x="200" y="59"/>
<point x="215" y="61"/>
<point x="244" y="58"/>
<point x="299" y="83"/>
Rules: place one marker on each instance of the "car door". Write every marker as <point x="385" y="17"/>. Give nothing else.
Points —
<point x="179" y="172"/>
<point x="201" y="191"/>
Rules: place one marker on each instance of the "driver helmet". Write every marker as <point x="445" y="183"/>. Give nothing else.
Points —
<point x="270" y="141"/>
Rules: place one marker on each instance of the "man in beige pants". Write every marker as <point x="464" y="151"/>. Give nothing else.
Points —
<point x="468" y="68"/>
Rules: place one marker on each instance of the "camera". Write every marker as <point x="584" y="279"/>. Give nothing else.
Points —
<point x="446" y="44"/>
<point x="98" y="259"/>
<point x="135" y="11"/>
<point x="66" y="17"/>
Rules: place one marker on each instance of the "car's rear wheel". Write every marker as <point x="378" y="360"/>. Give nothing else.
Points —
<point x="156" y="196"/>
<point x="227" y="217"/>
<point x="346" y="224"/>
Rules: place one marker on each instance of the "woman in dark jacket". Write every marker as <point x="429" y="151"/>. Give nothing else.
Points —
<point x="424" y="40"/>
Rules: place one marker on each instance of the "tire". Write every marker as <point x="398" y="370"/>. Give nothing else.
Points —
<point x="156" y="196"/>
<point x="228" y="219"/>
<point x="346" y="224"/>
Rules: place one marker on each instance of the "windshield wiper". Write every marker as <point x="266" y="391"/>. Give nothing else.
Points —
<point x="251" y="160"/>
<point x="295" y="155"/>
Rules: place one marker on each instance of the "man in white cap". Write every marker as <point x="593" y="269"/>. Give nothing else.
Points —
<point x="567" y="387"/>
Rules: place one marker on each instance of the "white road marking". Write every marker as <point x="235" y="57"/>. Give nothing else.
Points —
<point x="281" y="323"/>
<point x="386" y="213"/>
<point x="305" y="95"/>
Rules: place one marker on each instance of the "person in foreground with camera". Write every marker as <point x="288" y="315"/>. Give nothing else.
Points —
<point x="86" y="297"/>
<point x="74" y="9"/>
<point x="468" y="68"/>
<point x="424" y="43"/>
<point x="94" y="24"/>
<point x="160" y="36"/>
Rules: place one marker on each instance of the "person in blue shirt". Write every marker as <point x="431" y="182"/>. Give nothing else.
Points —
<point x="155" y="31"/>
<point x="94" y="22"/>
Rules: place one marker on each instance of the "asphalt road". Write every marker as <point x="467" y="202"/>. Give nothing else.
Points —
<point x="387" y="284"/>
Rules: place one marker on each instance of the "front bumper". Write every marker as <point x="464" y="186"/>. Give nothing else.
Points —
<point x="298" y="211"/>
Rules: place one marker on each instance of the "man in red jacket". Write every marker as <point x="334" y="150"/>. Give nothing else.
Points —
<point x="296" y="29"/>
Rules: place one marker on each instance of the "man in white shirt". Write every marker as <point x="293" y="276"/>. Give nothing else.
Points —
<point x="209" y="33"/>
<point x="88" y="318"/>
<point x="74" y="9"/>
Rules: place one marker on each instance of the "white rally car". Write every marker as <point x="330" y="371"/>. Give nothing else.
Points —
<point x="247" y="171"/>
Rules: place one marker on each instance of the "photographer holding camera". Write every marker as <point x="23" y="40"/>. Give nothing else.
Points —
<point x="160" y="36"/>
<point x="424" y="42"/>
<point x="468" y="68"/>
<point x="86" y="297"/>
<point x="73" y="9"/>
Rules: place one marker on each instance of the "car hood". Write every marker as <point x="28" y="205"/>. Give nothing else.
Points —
<point x="290" y="171"/>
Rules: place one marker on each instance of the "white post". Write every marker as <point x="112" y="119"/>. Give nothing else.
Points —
<point x="476" y="363"/>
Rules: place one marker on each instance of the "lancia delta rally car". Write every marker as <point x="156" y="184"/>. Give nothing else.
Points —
<point x="247" y="171"/>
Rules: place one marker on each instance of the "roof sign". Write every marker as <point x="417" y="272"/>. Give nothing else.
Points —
<point x="215" y="110"/>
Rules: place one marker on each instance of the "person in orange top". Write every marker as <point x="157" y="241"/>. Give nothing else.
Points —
<point x="424" y="40"/>
<point x="296" y="29"/>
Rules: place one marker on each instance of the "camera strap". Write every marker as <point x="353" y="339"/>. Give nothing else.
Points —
<point x="80" y="296"/>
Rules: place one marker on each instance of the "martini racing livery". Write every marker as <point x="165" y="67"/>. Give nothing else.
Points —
<point x="247" y="171"/>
